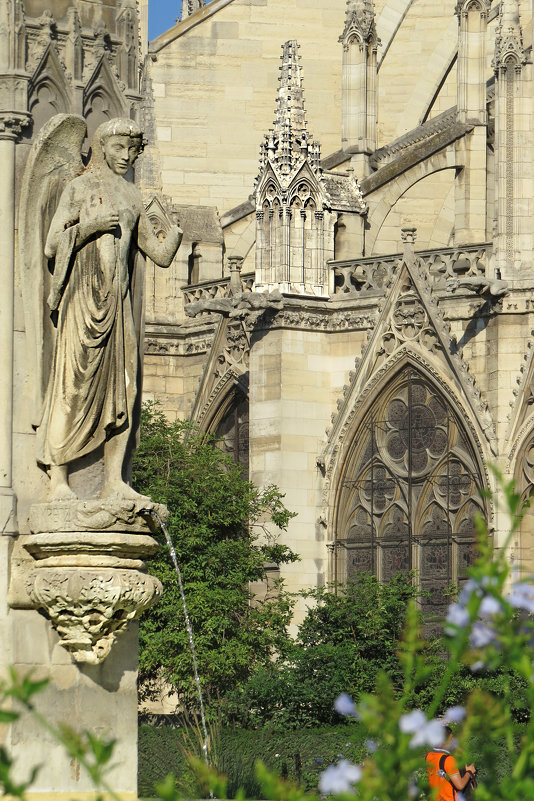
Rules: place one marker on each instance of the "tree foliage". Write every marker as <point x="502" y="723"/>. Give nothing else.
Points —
<point x="222" y="544"/>
<point x="349" y="634"/>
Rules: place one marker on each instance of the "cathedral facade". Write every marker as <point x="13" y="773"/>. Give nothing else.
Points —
<point x="367" y="167"/>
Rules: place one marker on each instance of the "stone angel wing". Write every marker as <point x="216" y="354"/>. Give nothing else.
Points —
<point x="54" y="159"/>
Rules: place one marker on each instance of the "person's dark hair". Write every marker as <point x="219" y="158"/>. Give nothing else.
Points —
<point x="448" y="732"/>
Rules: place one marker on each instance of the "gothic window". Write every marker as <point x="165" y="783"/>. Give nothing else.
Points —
<point x="232" y="430"/>
<point x="410" y="492"/>
<point x="523" y="544"/>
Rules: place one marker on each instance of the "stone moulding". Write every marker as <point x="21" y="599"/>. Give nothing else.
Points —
<point x="89" y="578"/>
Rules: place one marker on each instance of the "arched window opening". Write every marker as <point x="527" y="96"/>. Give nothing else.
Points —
<point x="410" y="493"/>
<point x="523" y="543"/>
<point x="232" y="430"/>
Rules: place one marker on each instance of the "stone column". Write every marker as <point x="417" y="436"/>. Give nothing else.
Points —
<point x="359" y="84"/>
<point x="470" y="225"/>
<point x="11" y="124"/>
<point x="514" y="239"/>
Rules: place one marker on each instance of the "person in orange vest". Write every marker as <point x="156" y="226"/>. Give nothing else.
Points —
<point x="444" y="775"/>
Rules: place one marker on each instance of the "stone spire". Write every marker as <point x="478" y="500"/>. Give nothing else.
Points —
<point x="289" y="141"/>
<point x="190" y="6"/>
<point x="509" y="39"/>
<point x="359" y="22"/>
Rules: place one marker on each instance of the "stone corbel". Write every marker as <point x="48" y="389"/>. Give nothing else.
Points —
<point x="89" y="577"/>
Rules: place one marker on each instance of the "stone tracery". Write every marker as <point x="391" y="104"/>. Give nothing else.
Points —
<point x="409" y="491"/>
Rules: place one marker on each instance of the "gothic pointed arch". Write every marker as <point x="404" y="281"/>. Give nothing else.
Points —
<point x="49" y="92"/>
<point x="522" y="467"/>
<point x="230" y="424"/>
<point x="102" y="97"/>
<point x="407" y="488"/>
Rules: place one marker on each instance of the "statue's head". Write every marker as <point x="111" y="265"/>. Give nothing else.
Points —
<point x="116" y="143"/>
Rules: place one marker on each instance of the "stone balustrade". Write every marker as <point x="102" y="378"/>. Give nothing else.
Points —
<point x="219" y="288"/>
<point x="371" y="275"/>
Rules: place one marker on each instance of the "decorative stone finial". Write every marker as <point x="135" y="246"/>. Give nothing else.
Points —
<point x="360" y="22"/>
<point x="235" y="263"/>
<point x="509" y="39"/>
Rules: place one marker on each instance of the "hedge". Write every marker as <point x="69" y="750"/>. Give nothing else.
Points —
<point x="298" y="755"/>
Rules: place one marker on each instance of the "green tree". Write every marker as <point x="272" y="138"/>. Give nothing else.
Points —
<point x="350" y="634"/>
<point x="218" y="528"/>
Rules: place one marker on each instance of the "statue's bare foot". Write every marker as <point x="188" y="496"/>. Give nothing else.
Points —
<point x="122" y="490"/>
<point x="59" y="485"/>
<point x="62" y="492"/>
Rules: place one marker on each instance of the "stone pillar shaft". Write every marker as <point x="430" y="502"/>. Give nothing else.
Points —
<point x="7" y="263"/>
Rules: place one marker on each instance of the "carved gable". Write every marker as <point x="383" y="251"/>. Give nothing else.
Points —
<point x="226" y="369"/>
<point x="103" y="98"/>
<point x="411" y="330"/>
<point x="49" y="92"/>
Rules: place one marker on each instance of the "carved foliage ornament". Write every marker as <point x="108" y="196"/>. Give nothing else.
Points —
<point x="88" y="608"/>
<point x="360" y="23"/>
<point x="88" y="577"/>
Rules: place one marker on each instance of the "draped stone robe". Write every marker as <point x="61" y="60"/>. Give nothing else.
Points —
<point x="93" y="379"/>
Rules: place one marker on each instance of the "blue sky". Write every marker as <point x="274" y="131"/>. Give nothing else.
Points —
<point x="162" y="15"/>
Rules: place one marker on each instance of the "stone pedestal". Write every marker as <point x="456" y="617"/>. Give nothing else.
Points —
<point x="87" y="578"/>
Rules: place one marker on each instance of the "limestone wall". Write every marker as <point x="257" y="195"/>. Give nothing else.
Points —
<point x="216" y="77"/>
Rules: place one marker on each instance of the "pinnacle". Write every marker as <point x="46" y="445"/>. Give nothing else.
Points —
<point x="290" y="101"/>
<point x="289" y="141"/>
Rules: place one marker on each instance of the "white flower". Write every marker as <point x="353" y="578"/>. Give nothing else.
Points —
<point x="457" y="616"/>
<point x="476" y="667"/>
<point x="432" y="734"/>
<point x="468" y="589"/>
<point x="481" y="635"/>
<point x="339" y="778"/>
<point x="412" y="721"/>
<point x="454" y="715"/>
<point x="522" y="597"/>
<point x="490" y="606"/>
<point x="424" y="732"/>
<point x="344" y="705"/>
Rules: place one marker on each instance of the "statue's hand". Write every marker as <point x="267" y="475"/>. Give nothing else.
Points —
<point x="102" y="223"/>
<point x="105" y="222"/>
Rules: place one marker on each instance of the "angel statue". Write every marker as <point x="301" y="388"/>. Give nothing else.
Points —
<point x="83" y="231"/>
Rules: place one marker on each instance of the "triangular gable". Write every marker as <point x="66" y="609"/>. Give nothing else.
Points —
<point x="105" y="81"/>
<point x="50" y="70"/>
<point x="411" y="328"/>
<point x="226" y="367"/>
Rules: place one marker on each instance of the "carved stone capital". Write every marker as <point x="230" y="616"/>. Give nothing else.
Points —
<point x="89" y="577"/>
<point x="12" y="123"/>
<point x="88" y="608"/>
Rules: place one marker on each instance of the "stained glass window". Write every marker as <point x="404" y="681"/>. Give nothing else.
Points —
<point x="410" y="492"/>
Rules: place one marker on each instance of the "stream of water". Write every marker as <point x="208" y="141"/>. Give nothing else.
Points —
<point x="189" y="634"/>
